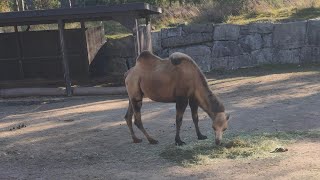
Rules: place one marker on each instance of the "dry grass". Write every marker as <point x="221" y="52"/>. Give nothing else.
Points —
<point x="4" y="6"/>
<point x="276" y="15"/>
<point x="246" y="11"/>
<point x="176" y="15"/>
<point x="238" y="11"/>
<point x="219" y="11"/>
<point x="241" y="145"/>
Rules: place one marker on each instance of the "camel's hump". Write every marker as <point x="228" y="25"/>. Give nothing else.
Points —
<point x="177" y="57"/>
<point x="145" y="54"/>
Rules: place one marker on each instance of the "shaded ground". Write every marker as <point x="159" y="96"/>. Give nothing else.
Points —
<point x="87" y="138"/>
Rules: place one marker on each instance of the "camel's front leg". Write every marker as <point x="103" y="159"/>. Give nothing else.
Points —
<point x="194" y="110"/>
<point x="181" y="105"/>
<point x="137" y="104"/>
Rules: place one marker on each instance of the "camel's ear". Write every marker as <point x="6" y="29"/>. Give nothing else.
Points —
<point x="228" y="116"/>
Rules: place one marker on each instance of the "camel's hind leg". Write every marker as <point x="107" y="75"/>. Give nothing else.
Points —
<point x="137" y="104"/>
<point x="128" y="118"/>
<point x="194" y="111"/>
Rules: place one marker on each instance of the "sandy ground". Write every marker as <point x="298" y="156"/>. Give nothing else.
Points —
<point x="87" y="138"/>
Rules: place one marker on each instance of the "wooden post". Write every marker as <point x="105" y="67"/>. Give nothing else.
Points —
<point x="145" y="36"/>
<point x="64" y="56"/>
<point x="136" y="37"/>
<point x="85" y="45"/>
<point x="83" y="25"/>
<point x="16" y="5"/>
<point x="20" y="53"/>
<point x="148" y="38"/>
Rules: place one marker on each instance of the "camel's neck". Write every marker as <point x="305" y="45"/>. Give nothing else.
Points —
<point x="208" y="101"/>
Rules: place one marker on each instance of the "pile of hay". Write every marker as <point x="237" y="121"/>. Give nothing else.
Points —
<point x="236" y="146"/>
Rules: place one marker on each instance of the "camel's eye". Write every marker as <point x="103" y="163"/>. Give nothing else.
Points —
<point x="224" y="129"/>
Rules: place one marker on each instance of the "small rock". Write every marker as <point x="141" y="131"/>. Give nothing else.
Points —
<point x="281" y="149"/>
<point x="68" y="120"/>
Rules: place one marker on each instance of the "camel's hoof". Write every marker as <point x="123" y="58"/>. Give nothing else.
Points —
<point x="153" y="141"/>
<point x="180" y="143"/>
<point x="136" y="140"/>
<point x="202" y="137"/>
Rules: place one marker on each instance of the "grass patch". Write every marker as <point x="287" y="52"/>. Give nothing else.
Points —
<point x="241" y="145"/>
<point x="306" y="13"/>
<point x="223" y="11"/>
<point x="117" y="36"/>
<point x="114" y="29"/>
<point x="265" y="70"/>
<point x="276" y="15"/>
<point x="271" y="16"/>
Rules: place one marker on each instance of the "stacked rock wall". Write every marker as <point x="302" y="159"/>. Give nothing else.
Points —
<point x="221" y="46"/>
<point x="227" y="46"/>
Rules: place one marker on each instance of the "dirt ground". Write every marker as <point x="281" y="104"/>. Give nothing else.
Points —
<point x="87" y="138"/>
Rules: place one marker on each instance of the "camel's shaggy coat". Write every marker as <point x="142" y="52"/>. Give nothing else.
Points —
<point x="175" y="80"/>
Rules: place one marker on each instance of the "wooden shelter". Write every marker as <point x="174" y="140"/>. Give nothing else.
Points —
<point x="66" y="53"/>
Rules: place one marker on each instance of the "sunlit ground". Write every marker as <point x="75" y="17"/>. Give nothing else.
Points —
<point x="87" y="137"/>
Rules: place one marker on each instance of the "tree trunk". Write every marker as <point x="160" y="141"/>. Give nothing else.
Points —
<point x="73" y="3"/>
<point x="66" y="3"/>
<point x="29" y="4"/>
<point x="21" y="5"/>
<point x="16" y="5"/>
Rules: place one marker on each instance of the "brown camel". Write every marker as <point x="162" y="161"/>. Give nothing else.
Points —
<point x="175" y="80"/>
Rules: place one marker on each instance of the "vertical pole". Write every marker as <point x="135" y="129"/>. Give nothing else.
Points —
<point x="83" y="25"/>
<point x="64" y="57"/>
<point x="21" y="4"/>
<point x="148" y="39"/>
<point x="136" y="37"/>
<point x="148" y="20"/>
<point x="65" y="3"/>
<point x="142" y="38"/>
<point x="16" y="5"/>
<point x="86" y="53"/>
<point x="145" y="36"/>
<point x="20" y="53"/>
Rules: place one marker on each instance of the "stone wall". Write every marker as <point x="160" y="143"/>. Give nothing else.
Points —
<point x="222" y="46"/>
<point x="227" y="46"/>
<point x="117" y="55"/>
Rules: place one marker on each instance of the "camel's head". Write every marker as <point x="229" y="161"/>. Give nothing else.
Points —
<point x="219" y="125"/>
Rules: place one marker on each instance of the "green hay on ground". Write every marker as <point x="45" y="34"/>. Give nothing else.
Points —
<point x="236" y="146"/>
